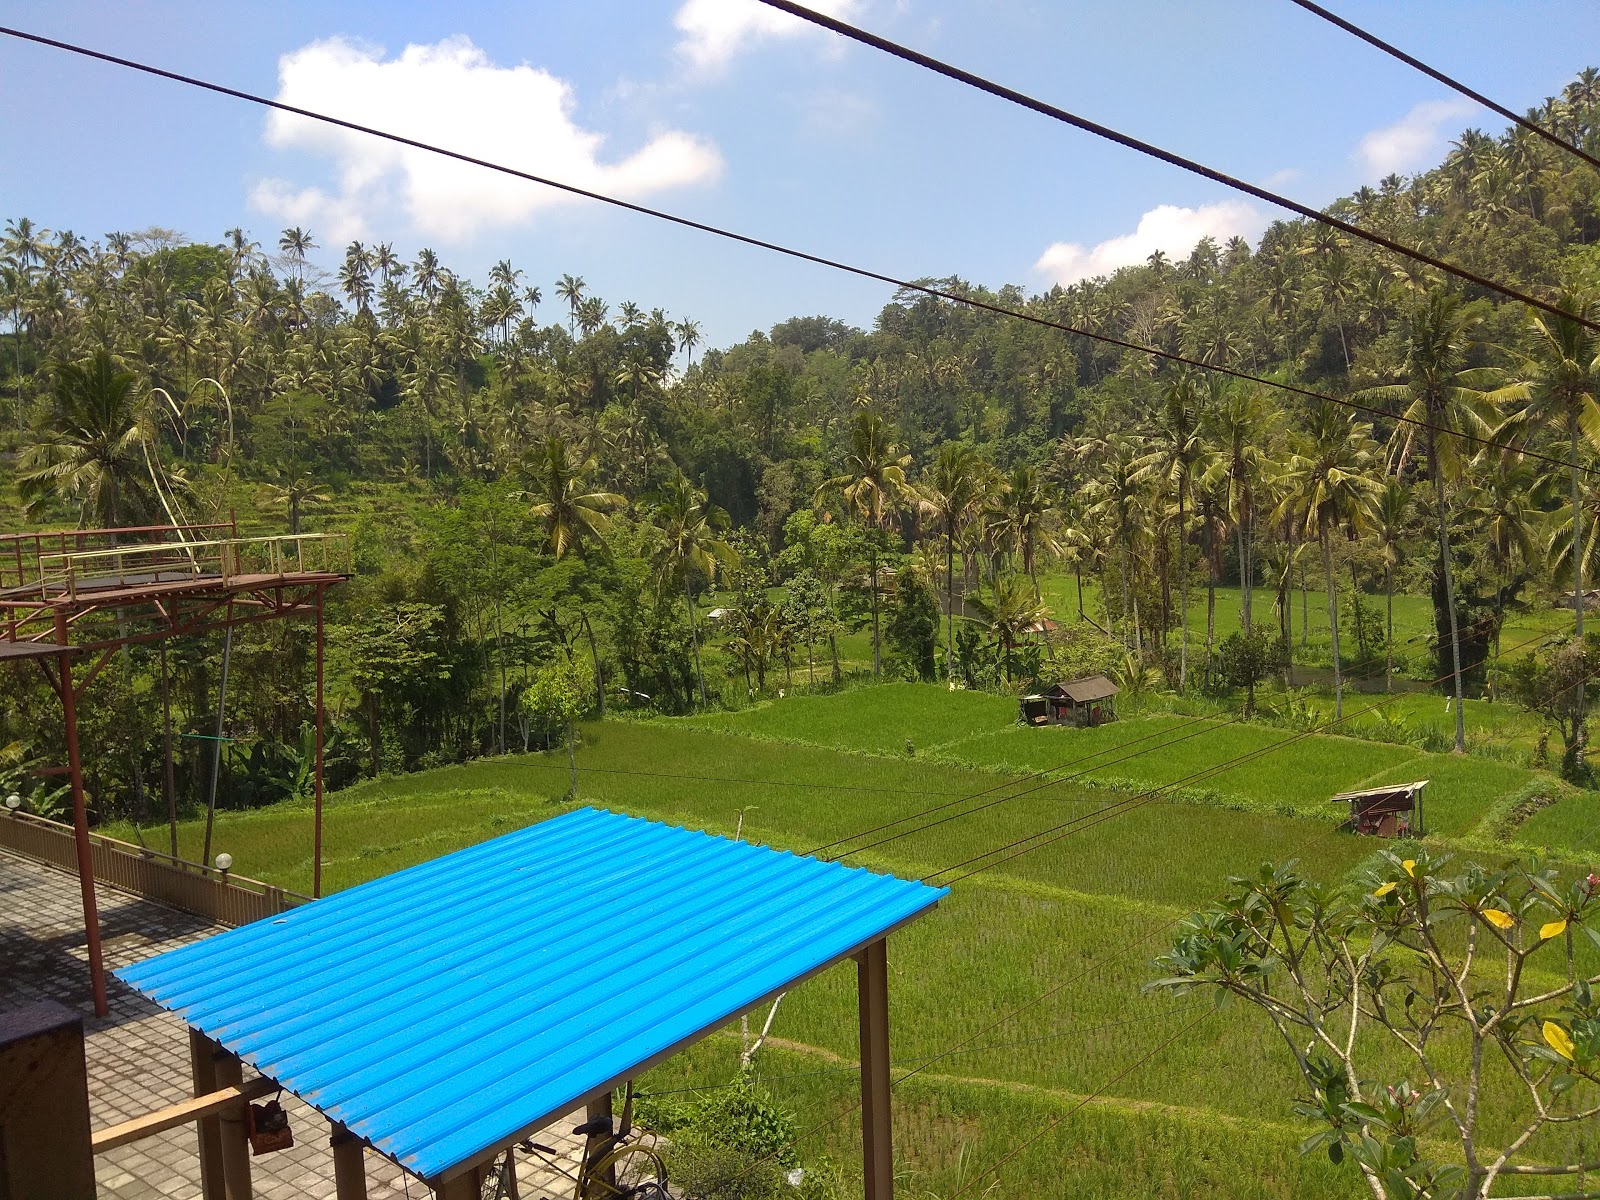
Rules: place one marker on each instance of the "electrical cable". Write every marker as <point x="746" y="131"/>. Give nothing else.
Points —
<point x="791" y="252"/>
<point x="1453" y="84"/>
<point x="1002" y="92"/>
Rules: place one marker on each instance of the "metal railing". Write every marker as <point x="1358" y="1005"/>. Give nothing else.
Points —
<point x="219" y="896"/>
<point x="20" y="552"/>
<point x="62" y="575"/>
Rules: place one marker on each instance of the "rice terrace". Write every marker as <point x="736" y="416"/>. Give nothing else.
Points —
<point x="1122" y="733"/>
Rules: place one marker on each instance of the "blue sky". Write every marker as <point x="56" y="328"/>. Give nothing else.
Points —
<point x="719" y="110"/>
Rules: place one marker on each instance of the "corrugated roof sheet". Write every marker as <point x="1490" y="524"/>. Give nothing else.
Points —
<point x="451" y="1008"/>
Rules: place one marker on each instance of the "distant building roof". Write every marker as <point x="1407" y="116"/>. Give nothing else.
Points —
<point x="1377" y="795"/>
<point x="446" y="1011"/>
<point x="1081" y="691"/>
<point x="1043" y="625"/>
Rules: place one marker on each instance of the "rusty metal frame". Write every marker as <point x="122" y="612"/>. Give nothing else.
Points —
<point x="43" y="614"/>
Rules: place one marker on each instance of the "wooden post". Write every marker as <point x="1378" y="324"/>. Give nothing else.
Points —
<point x="349" y="1164"/>
<point x="872" y="994"/>
<point x="231" y="1125"/>
<point x="465" y="1186"/>
<point x="45" y="1144"/>
<point x="603" y="1185"/>
<point x="203" y="1068"/>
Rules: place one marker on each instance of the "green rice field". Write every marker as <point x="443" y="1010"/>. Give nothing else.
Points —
<point x="1080" y="918"/>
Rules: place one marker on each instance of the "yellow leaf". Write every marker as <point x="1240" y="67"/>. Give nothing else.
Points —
<point x="1498" y="918"/>
<point x="1558" y="1040"/>
<point x="1384" y="890"/>
<point x="1410" y="865"/>
<point x="1553" y="929"/>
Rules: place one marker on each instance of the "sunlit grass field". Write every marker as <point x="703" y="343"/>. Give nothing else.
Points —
<point x="1208" y="1116"/>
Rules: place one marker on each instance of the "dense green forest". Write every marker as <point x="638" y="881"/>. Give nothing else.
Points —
<point x="535" y="481"/>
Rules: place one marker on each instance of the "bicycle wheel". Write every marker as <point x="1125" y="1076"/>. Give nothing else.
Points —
<point x="639" y="1172"/>
<point x="496" y="1181"/>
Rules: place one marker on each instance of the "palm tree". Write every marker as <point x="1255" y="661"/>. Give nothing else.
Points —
<point x="687" y="527"/>
<point x="872" y="487"/>
<point x="1242" y="427"/>
<point x="1115" y="498"/>
<point x="92" y="448"/>
<point x="948" y="492"/>
<point x="563" y="501"/>
<point x="572" y="291"/>
<point x="688" y="334"/>
<point x="1178" y="447"/>
<point x="295" y="244"/>
<point x="1008" y="612"/>
<point x="1024" y="518"/>
<point x="296" y="496"/>
<point x="1442" y="392"/>
<point x="1331" y="485"/>
<point x="1559" y="384"/>
<point x="1390" y="509"/>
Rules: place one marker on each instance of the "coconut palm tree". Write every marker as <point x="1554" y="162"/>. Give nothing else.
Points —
<point x="872" y="487"/>
<point x="1391" y="508"/>
<point x="1024" y="518"/>
<point x="687" y="526"/>
<point x="571" y="290"/>
<point x="1115" y="498"/>
<point x="1331" y="490"/>
<point x="1558" y="386"/>
<point x="1242" y="427"/>
<point x="295" y="244"/>
<point x="564" y="503"/>
<point x="1009" y="610"/>
<point x="1442" y="394"/>
<point x="948" y="494"/>
<point x="91" y="450"/>
<point x="1177" y="447"/>
<point x="296" y="496"/>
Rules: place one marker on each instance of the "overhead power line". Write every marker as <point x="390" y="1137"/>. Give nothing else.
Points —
<point x="1011" y="95"/>
<point x="1453" y="84"/>
<point x="906" y="285"/>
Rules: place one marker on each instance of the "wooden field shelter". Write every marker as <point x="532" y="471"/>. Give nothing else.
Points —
<point x="1085" y="703"/>
<point x="71" y="599"/>
<point x="441" y="1015"/>
<point x="1389" y="812"/>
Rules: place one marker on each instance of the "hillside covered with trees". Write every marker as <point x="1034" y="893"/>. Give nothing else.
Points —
<point x="541" y="480"/>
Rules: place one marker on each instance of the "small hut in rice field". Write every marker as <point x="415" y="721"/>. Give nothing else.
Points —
<point x="1082" y="702"/>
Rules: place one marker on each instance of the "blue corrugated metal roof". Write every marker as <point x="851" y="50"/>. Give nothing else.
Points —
<point x="445" y="1010"/>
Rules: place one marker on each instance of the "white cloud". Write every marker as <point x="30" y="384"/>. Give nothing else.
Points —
<point x="1169" y="228"/>
<point x="1412" y="141"/>
<point x="452" y="95"/>
<point x="714" y="31"/>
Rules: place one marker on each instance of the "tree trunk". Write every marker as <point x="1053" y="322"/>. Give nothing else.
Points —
<point x="877" y="656"/>
<point x="1580" y="725"/>
<point x="599" y="676"/>
<point x="1183" y="596"/>
<point x="694" y="639"/>
<point x="1333" y="625"/>
<point x="1245" y="600"/>
<point x="169" y="783"/>
<point x="1388" y="605"/>
<point x="1448" y="573"/>
<point x="572" y="760"/>
<point x="1355" y="611"/>
<point x="1211" y="589"/>
<point x="950" y="604"/>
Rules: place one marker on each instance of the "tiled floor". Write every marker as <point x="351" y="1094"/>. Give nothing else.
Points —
<point x="139" y="1054"/>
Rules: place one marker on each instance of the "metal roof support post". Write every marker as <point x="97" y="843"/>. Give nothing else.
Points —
<point x="80" y="823"/>
<point x="872" y="994"/>
<point x="203" y="1069"/>
<point x="231" y="1126"/>
<point x="349" y="1164"/>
